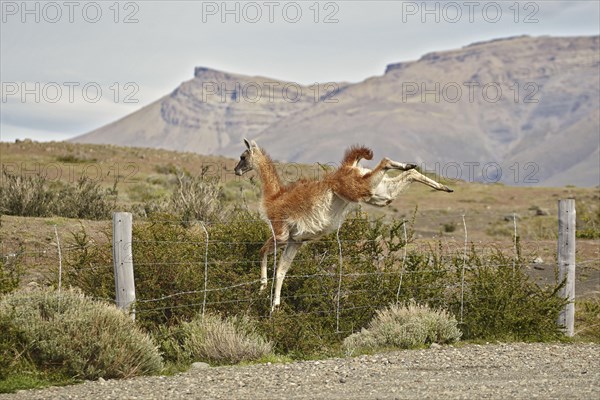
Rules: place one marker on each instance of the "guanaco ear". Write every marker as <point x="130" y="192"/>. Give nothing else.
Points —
<point x="251" y="145"/>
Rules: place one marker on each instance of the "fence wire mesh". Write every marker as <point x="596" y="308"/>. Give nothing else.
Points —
<point x="185" y="268"/>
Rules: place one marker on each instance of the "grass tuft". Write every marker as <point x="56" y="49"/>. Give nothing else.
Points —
<point x="216" y="340"/>
<point x="404" y="327"/>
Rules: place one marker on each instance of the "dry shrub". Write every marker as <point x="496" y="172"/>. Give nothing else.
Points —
<point x="36" y="196"/>
<point x="218" y="341"/>
<point x="78" y="336"/>
<point x="193" y="198"/>
<point x="25" y="195"/>
<point x="408" y="326"/>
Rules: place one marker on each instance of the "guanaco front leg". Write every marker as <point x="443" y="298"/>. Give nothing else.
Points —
<point x="377" y="175"/>
<point x="284" y="265"/>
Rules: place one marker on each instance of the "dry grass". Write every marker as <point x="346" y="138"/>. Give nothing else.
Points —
<point x="150" y="170"/>
<point x="587" y="318"/>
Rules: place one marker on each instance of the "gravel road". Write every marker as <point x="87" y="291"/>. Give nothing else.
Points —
<point x="500" y="371"/>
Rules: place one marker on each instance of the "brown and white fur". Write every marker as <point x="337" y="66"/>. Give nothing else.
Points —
<point x="384" y="189"/>
<point x="308" y="209"/>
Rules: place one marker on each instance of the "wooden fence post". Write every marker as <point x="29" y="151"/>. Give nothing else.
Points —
<point x="566" y="262"/>
<point x="123" y="262"/>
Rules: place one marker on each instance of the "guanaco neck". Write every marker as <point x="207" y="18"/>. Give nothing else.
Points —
<point x="271" y="184"/>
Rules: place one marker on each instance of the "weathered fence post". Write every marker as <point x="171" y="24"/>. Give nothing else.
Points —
<point x="123" y="262"/>
<point x="566" y="262"/>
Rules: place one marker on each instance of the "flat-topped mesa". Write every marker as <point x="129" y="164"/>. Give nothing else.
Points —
<point x="396" y="66"/>
<point x="200" y="71"/>
<point x="206" y="74"/>
<point x="498" y="40"/>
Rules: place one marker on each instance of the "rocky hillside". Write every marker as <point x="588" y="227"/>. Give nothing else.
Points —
<point x="520" y="110"/>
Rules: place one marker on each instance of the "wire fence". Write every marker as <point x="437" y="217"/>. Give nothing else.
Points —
<point x="214" y="266"/>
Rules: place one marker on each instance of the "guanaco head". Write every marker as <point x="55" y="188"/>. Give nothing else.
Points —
<point x="247" y="158"/>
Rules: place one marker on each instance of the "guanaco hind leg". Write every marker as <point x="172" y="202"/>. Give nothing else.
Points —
<point x="390" y="188"/>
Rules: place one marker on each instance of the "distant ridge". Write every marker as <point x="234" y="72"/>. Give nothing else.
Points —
<point x="521" y="110"/>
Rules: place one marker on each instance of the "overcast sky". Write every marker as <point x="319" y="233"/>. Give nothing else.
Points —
<point x="69" y="67"/>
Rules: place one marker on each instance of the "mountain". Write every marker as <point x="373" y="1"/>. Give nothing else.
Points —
<point x="521" y="110"/>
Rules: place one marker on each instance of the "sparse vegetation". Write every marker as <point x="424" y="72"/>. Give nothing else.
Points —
<point x="74" y="159"/>
<point x="10" y="272"/>
<point x="588" y="220"/>
<point x="190" y="198"/>
<point x="198" y="198"/>
<point x="587" y="318"/>
<point x="35" y="196"/>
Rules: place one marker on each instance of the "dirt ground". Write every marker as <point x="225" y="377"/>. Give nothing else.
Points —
<point x="498" y="371"/>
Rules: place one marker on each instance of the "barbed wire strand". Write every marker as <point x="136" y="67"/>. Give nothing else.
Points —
<point x="462" y="277"/>
<point x="59" y="259"/>
<point x="274" y="267"/>
<point x="169" y="296"/>
<point x="516" y="251"/>
<point x="205" y="270"/>
<point x="339" y="292"/>
<point x="429" y="215"/>
<point x="403" y="261"/>
<point x="340" y="274"/>
<point x="321" y="259"/>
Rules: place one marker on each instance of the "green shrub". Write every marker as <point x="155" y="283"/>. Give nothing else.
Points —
<point x="502" y="303"/>
<point x="10" y="348"/>
<point x="166" y="169"/>
<point x="309" y="321"/>
<point x="75" y="159"/>
<point x="405" y="327"/>
<point x="78" y="336"/>
<point x="89" y="265"/>
<point x="216" y="340"/>
<point x="449" y="227"/>
<point x="169" y="259"/>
